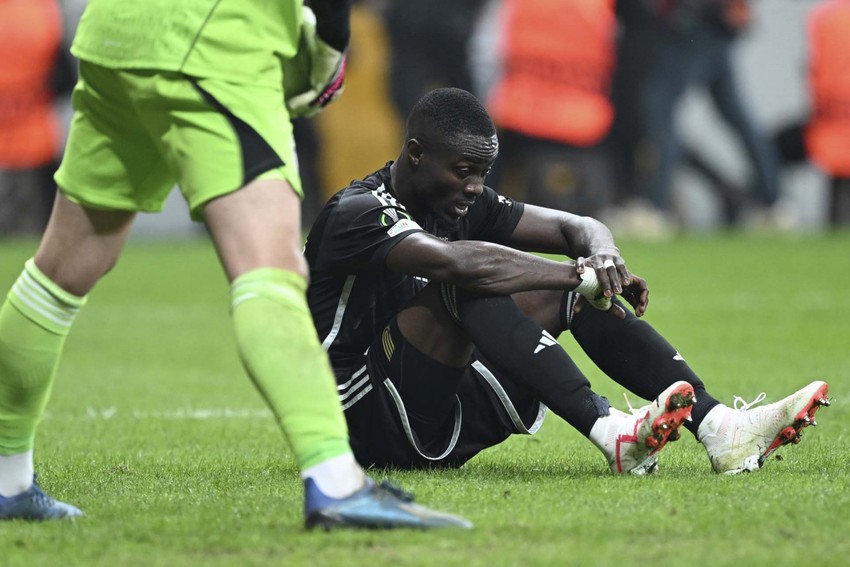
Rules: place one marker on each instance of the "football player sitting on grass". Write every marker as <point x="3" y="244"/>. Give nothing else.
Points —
<point x="442" y="329"/>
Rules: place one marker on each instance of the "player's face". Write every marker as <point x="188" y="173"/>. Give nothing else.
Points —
<point x="449" y="179"/>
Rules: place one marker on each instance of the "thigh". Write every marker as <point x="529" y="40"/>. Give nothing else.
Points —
<point x="483" y="409"/>
<point x="490" y="409"/>
<point x="427" y="325"/>
<point x="231" y="149"/>
<point x="383" y="429"/>
<point x="110" y="160"/>
<point x="494" y="409"/>
<point x="257" y="227"/>
<point x="218" y="136"/>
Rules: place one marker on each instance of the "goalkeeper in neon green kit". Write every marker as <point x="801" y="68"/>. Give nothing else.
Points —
<point x="191" y="92"/>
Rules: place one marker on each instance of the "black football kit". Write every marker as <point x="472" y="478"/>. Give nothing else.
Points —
<point x="354" y="298"/>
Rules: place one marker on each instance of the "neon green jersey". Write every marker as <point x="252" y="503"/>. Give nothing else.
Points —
<point x="235" y="40"/>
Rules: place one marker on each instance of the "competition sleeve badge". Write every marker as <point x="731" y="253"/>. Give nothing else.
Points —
<point x="398" y="221"/>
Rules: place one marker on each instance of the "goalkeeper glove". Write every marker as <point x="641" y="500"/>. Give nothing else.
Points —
<point x="313" y="78"/>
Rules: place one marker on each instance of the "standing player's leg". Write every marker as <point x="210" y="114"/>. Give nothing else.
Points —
<point x="79" y="246"/>
<point x="257" y="234"/>
<point x="110" y="168"/>
<point x="230" y="146"/>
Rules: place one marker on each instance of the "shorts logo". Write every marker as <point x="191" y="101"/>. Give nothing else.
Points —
<point x="387" y="341"/>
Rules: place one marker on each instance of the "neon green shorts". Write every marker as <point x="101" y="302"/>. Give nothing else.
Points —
<point x="135" y="134"/>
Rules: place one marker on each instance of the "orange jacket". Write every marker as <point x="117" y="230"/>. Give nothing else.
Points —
<point x="558" y="58"/>
<point x="30" y="36"/>
<point x="828" y="133"/>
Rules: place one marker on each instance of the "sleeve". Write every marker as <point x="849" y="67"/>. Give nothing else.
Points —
<point x="494" y="217"/>
<point x="360" y="232"/>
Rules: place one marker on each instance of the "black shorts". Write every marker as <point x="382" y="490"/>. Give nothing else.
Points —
<point x="383" y="433"/>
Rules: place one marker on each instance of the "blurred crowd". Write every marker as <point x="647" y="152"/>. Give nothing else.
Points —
<point x="587" y="96"/>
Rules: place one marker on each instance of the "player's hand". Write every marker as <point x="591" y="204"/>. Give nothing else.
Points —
<point x="636" y="293"/>
<point x="325" y="75"/>
<point x="611" y="271"/>
<point x="611" y="277"/>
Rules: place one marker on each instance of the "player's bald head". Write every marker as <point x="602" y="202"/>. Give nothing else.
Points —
<point x="455" y="120"/>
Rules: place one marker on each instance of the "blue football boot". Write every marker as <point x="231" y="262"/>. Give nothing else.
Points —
<point x="376" y="506"/>
<point x="34" y="504"/>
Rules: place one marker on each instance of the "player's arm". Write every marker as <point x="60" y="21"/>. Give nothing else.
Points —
<point x="491" y="268"/>
<point x="479" y="266"/>
<point x="584" y="238"/>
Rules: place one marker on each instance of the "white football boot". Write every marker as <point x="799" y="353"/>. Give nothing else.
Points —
<point x="741" y="439"/>
<point x="631" y="442"/>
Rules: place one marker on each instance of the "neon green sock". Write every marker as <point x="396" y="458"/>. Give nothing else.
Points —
<point x="282" y="354"/>
<point x="34" y="321"/>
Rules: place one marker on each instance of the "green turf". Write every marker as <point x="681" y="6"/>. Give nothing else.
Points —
<point x="154" y="431"/>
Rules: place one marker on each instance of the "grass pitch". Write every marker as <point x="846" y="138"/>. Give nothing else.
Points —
<point x="156" y="434"/>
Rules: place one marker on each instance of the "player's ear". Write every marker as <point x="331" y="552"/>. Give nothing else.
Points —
<point x="414" y="151"/>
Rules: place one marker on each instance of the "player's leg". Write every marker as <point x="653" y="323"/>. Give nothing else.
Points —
<point x="636" y="356"/>
<point x="413" y="400"/>
<point x="631" y="352"/>
<point x="231" y="148"/>
<point x="528" y="354"/>
<point x="107" y="158"/>
<point x="274" y="332"/>
<point x="282" y="354"/>
<point x="401" y="404"/>
<point x="79" y="246"/>
<point x="519" y="349"/>
<point x="429" y="340"/>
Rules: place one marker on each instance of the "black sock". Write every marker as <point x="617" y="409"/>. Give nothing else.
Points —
<point x="637" y="357"/>
<point x="521" y="352"/>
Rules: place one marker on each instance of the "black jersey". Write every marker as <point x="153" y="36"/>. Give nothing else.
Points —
<point x="352" y="293"/>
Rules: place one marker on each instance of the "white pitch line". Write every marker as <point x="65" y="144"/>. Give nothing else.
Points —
<point x="105" y="414"/>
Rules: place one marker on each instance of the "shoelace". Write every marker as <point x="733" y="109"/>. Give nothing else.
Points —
<point x="634" y="411"/>
<point x="742" y="405"/>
